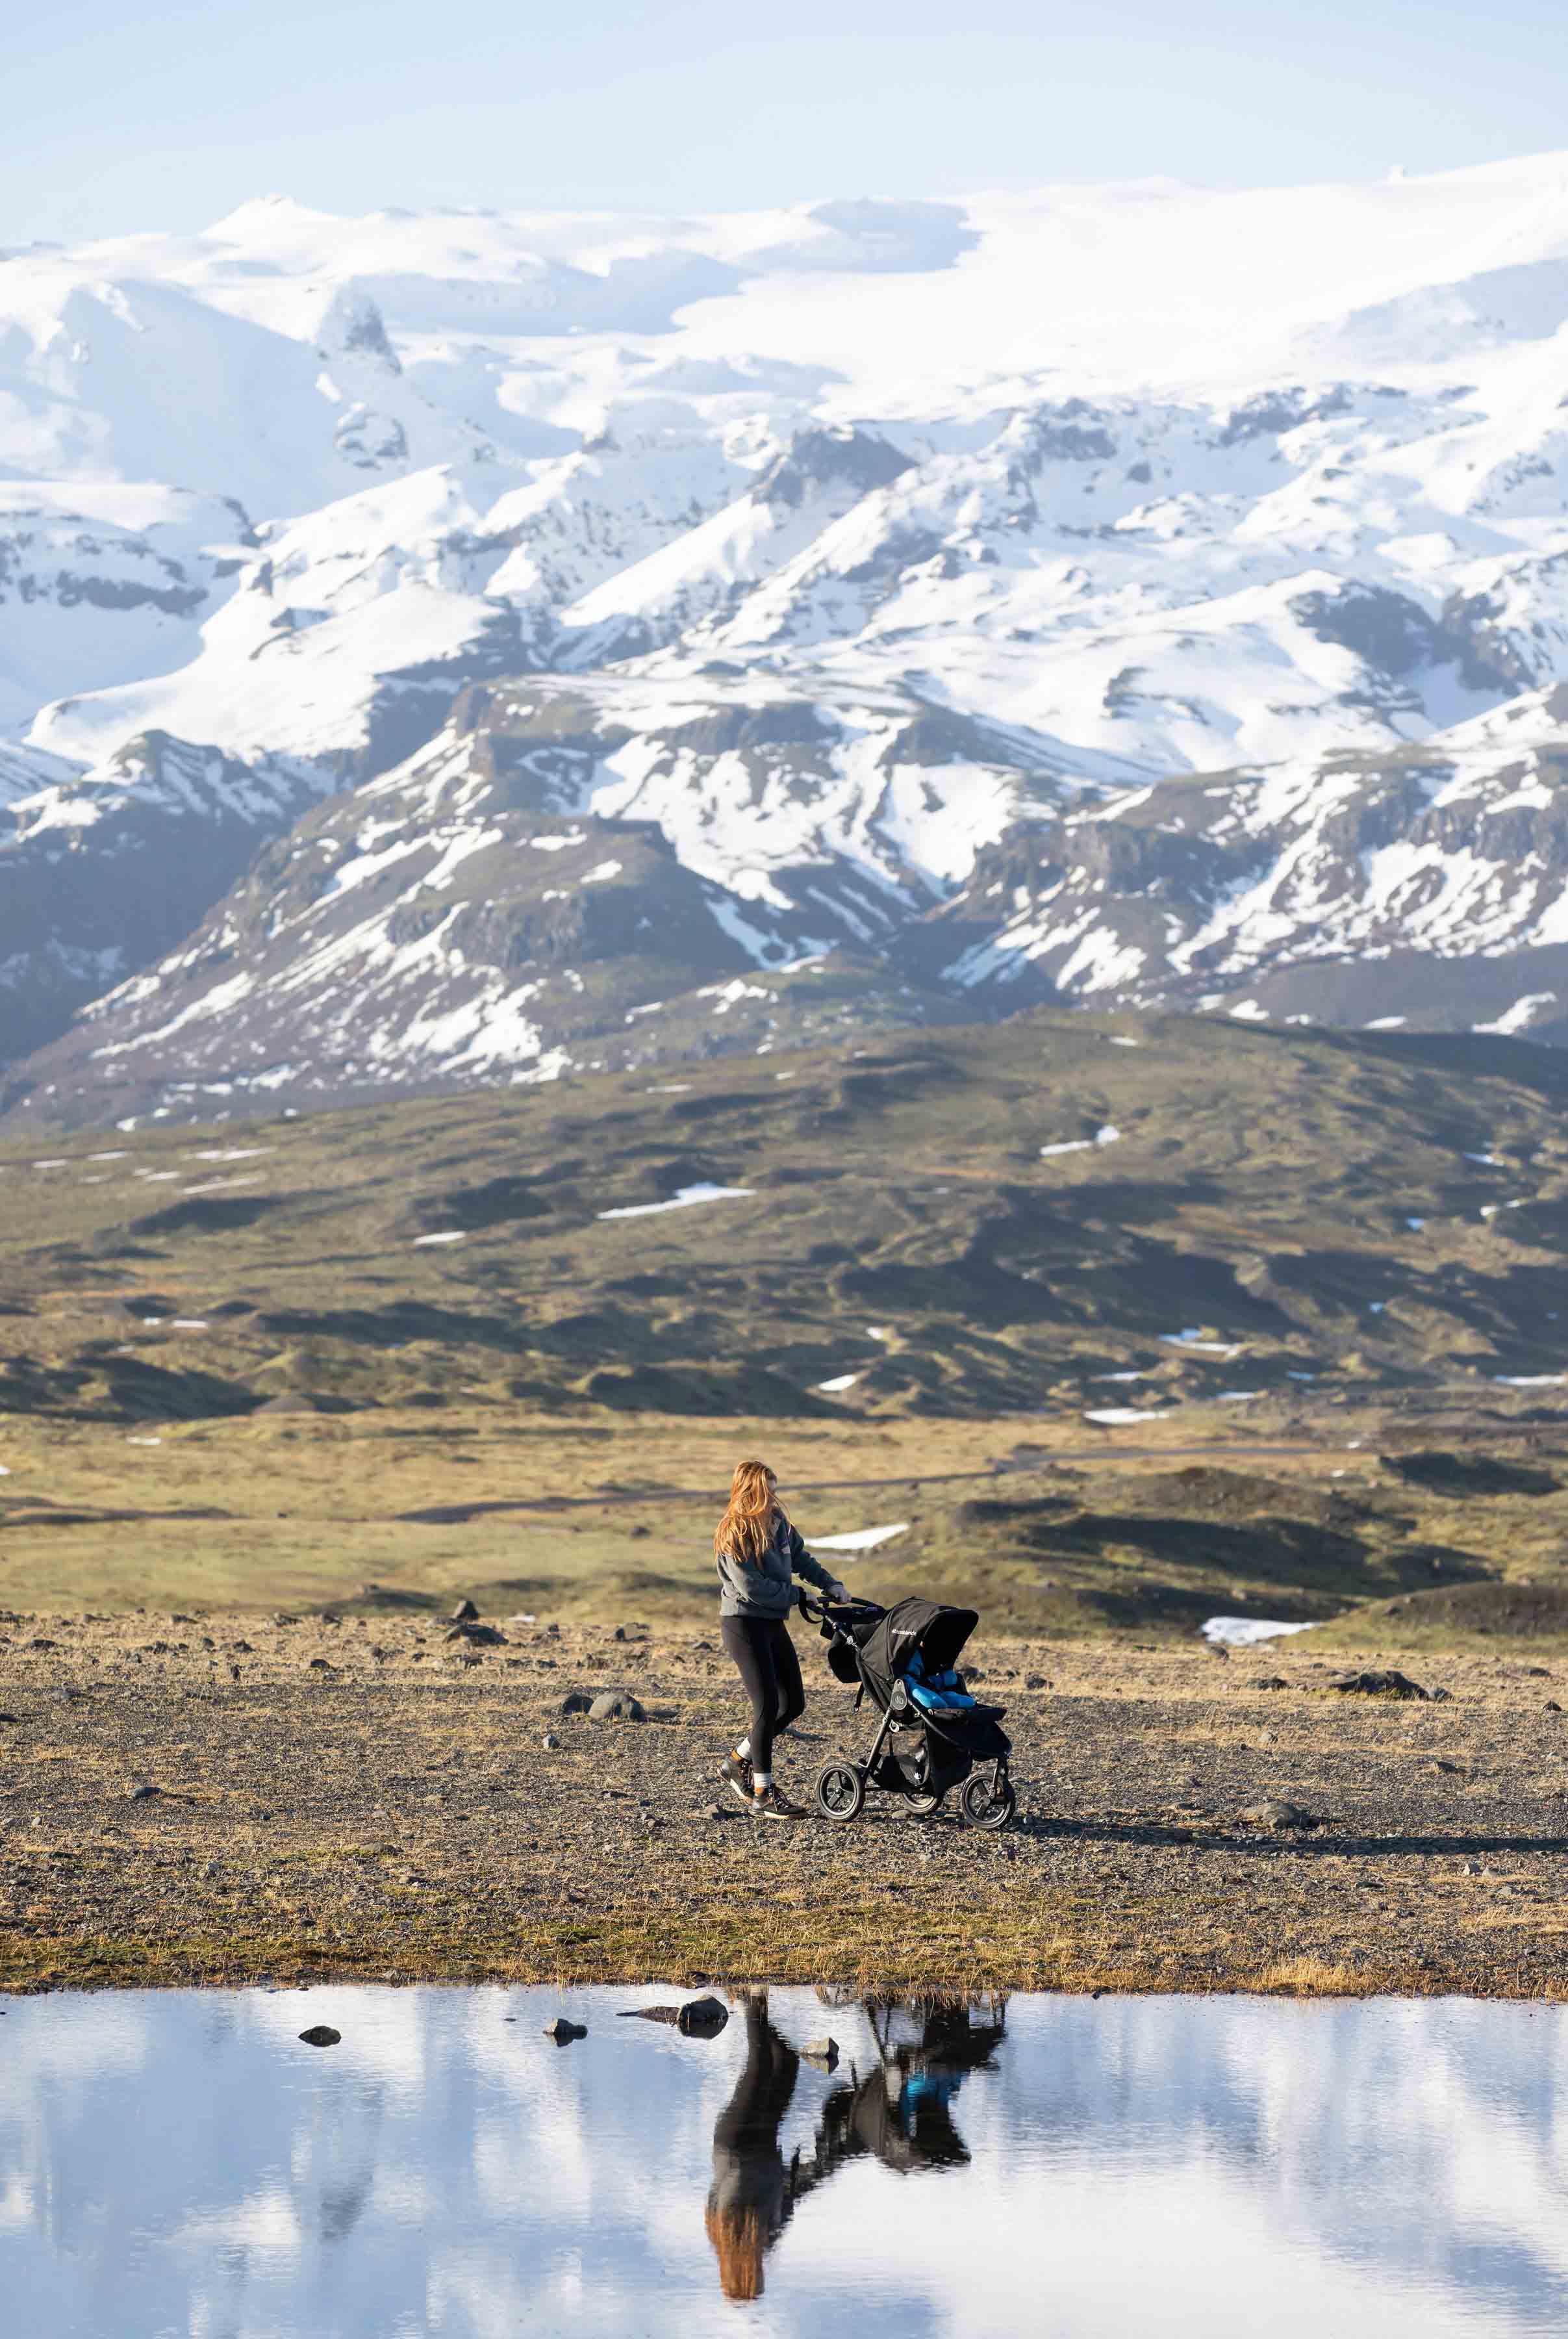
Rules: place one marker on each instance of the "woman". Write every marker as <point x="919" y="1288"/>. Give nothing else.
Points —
<point x="757" y="1553"/>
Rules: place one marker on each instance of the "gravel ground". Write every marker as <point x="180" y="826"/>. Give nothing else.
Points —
<point x="205" y="1798"/>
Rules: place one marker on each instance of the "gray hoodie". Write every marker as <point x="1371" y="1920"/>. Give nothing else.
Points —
<point x="764" y="1587"/>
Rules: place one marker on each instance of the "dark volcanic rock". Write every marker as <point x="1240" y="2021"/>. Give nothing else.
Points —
<point x="702" y="2018"/>
<point x="1278" y="1816"/>
<point x="699" y="2018"/>
<point x="563" y="2032"/>
<point x="1387" y="1683"/>
<point x="616" y="1705"/>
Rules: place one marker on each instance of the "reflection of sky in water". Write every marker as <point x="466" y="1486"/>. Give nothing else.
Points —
<point x="177" y="2166"/>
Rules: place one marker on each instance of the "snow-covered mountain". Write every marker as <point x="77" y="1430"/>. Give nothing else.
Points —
<point x="441" y="647"/>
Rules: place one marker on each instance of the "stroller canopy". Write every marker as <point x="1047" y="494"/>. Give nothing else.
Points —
<point x="938" y="1633"/>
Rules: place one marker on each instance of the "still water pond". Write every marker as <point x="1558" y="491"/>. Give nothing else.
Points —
<point x="180" y="2164"/>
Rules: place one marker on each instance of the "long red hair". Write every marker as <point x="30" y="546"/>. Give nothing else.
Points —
<point x="751" y="1516"/>
<point x="739" y="2238"/>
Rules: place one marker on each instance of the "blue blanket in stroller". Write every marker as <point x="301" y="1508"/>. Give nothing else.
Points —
<point x="935" y="1691"/>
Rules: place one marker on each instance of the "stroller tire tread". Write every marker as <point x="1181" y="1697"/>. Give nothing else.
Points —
<point x="986" y="1805"/>
<point x="839" y="1790"/>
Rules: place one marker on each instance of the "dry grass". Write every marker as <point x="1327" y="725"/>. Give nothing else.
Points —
<point x="589" y="1518"/>
<point x="1310" y="1978"/>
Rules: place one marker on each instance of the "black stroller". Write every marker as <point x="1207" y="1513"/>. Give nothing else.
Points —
<point x="931" y="1734"/>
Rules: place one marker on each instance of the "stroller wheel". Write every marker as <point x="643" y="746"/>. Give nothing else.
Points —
<point x="840" y="1789"/>
<point x="922" y="1806"/>
<point x="986" y="1804"/>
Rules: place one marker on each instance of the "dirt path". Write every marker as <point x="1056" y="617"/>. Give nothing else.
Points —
<point x="226" y="1799"/>
<point x="1217" y="1457"/>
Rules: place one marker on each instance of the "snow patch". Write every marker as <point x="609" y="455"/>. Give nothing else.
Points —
<point x="861" y="1538"/>
<point x="1194" y="1343"/>
<point x="1522" y="1014"/>
<point x="685" y="1198"/>
<point x="1109" y="1135"/>
<point x="1245" y="1632"/>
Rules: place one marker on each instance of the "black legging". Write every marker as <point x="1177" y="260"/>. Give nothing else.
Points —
<point x="770" y="1669"/>
<point x="747" y="2130"/>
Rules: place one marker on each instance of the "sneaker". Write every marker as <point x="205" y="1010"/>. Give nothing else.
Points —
<point x="772" y="1803"/>
<point x="737" y="1771"/>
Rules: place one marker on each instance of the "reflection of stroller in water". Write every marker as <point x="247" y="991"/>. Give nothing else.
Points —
<point x="900" y="2113"/>
<point x="903" y="2111"/>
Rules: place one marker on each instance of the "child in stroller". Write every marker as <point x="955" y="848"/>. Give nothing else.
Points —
<point x="931" y="1734"/>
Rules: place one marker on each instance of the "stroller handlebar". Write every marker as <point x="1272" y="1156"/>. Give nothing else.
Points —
<point x="818" y="1609"/>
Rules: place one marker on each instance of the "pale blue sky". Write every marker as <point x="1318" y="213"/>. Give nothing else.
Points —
<point x="121" y="116"/>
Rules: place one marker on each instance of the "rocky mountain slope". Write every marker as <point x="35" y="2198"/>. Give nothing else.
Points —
<point x="452" y="648"/>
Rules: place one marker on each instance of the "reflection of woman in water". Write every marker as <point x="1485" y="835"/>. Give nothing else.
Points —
<point x="900" y="2112"/>
<point x="753" y="2192"/>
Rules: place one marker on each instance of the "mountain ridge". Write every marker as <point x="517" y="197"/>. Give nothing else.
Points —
<point x="1191" y="635"/>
